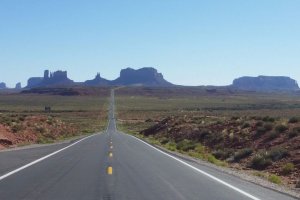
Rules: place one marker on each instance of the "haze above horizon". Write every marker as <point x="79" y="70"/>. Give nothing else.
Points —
<point x="190" y="42"/>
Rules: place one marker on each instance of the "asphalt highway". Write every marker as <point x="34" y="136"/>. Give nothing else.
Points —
<point x="117" y="166"/>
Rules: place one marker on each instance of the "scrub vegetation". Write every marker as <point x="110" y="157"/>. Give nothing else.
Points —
<point x="253" y="132"/>
<point x="24" y="120"/>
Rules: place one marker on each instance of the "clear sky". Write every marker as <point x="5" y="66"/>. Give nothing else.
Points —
<point x="192" y="42"/>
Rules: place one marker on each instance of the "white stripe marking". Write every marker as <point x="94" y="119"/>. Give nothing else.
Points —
<point x="202" y="172"/>
<point x="41" y="159"/>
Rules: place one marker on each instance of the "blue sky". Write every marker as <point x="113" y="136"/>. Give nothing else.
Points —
<point x="190" y="42"/>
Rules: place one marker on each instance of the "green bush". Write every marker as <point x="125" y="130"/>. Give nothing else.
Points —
<point x="164" y="141"/>
<point x="288" y="168"/>
<point x="243" y="153"/>
<point x="274" y="179"/>
<point x="293" y="120"/>
<point x="281" y="128"/>
<point x="260" y="131"/>
<point x="294" y="133"/>
<point x="260" y="162"/>
<point x="186" y="145"/>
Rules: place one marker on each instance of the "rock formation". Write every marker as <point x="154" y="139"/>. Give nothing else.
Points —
<point x="50" y="79"/>
<point x="97" y="81"/>
<point x="265" y="83"/>
<point x="147" y="76"/>
<point x="18" y="86"/>
<point x="2" y="85"/>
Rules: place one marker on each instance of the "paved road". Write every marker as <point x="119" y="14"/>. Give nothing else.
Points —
<point x="117" y="166"/>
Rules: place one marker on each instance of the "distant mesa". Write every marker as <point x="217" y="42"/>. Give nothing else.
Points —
<point x="97" y="81"/>
<point x="58" y="78"/>
<point x="147" y="76"/>
<point x="265" y="83"/>
<point x="2" y="85"/>
<point x="18" y="86"/>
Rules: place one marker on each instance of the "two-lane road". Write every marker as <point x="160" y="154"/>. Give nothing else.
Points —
<point x="117" y="166"/>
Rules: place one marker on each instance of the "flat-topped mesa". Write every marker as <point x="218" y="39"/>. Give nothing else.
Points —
<point x="266" y="83"/>
<point x="2" y="85"/>
<point x="147" y="76"/>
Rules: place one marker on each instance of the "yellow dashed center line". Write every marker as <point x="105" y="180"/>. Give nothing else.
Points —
<point x="110" y="154"/>
<point x="109" y="170"/>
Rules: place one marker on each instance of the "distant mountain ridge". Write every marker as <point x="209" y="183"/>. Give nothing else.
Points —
<point x="265" y="83"/>
<point x="150" y="77"/>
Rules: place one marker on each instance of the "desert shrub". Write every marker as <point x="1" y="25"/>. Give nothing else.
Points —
<point x="268" y="119"/>
<point x="204" y="133"/>
<point x="243" y="153"/>
<point x="260" y="162"/>
<point x="298" y="184"/>
<point x="273" y="135"/>
<point x="171" y="146"/>
<point x="281" y="128"/>
<point x="268" y="126"/>
<point x="40" y="129"/>
<point x="277" y="154"/>
<point x="274" y="179"/>
<point x="222" y="154"/>
<point x="16" y="128"/>
<point x="287" y="168"/>
<point x="245" y="125"/>
<point x="22" y="118"/>
<point x="260" y="131"/>
<point x="293" y="120"/>
<point x="234" y="118"/>
<point x="186" y="145"/>
<point x="292" y="134"/>
<point x="164" y="141"/>
<point x="259" y="124"/>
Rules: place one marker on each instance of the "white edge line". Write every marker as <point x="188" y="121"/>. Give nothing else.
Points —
<point x="41" y="159"/>
<point x="202" y="172"/>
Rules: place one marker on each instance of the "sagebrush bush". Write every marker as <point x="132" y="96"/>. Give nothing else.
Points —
<point x="281" y="128"/>
<point x="288" y="168"/>
<point x="268" y="126"/>
<point x="222" y="154"/>
<point x="243" y="153"/>
<point x="260" y="162"/>
<point x="259" y="124"/>
<point x="260" y="131"/>
<point x="268" y="119"/>
<point x="245" y="125"/>
<point x="277" y="154"/>
<point x="273" y="135"/>
<point x="298" y="184"/>
<point x="293" y="120"/>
